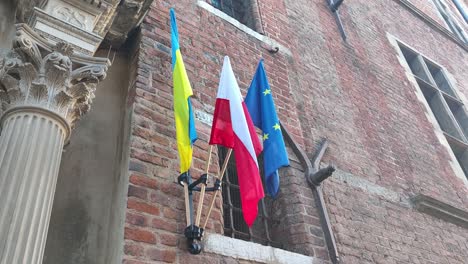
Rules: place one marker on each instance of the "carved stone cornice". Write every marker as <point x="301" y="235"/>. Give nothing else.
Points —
<point x="47" y="46"/>
<point x="83" y="23"/>
<point x="48" y="78"/>
<point x="129" y="15"/>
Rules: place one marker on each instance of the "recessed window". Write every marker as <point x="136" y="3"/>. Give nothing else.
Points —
<point x="245" y="11"/>
<point x="451" y="20"/>
<point x="262" y="231"/>
<point x="448" y="109"/>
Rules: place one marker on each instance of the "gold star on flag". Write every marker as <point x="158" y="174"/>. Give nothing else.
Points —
<point x="277" y="126"/>
<point x="268" y="91"/>
<point x="265" y="137"/>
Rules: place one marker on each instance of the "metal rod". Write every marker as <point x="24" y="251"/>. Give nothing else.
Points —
<point x="265" y="221"/>
<point x="340" y="25"/>
<point x="228" y="185"/>
<point x="334" y="8"/>
<point x="326" y="224"/>
<point x="318" y="157"/>
<point x="251" y="235"/>
<point x="213" y="198"/>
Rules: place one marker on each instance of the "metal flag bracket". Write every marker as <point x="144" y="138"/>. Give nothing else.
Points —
<point x="194" y="232"/>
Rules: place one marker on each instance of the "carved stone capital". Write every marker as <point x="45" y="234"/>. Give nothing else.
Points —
<point x="48" y="77"/>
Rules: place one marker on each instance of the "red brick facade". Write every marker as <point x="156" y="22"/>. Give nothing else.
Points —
<point x="355" y="94"/>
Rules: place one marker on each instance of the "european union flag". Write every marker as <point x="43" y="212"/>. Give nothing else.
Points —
<point x="259" y="102"/>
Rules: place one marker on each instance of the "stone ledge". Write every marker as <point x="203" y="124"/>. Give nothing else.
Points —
<point x="128" y="16"/>
<point x="370" y="187"/>
<point x="420" y="202"/>
<point x="441" y="210"/>
<point x="240" y="249"/>
<point x="243" y="28"/>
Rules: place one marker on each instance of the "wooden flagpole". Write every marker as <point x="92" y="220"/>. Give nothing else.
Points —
<point x="220" y="176"/>
<point x="202" y="192"/>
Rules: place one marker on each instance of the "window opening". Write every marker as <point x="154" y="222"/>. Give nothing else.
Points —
<point x="448" y="109"/>
<point x="234" y="225"/>
<point x="462" y="9"/>
<point x="241" y="10"/>
<point x="451" y="20"/>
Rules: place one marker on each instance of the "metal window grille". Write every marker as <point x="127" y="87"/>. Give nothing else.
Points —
<point x="234" y="225"/>
<point x="241" y="10"/>
<point x="448" y="109"/>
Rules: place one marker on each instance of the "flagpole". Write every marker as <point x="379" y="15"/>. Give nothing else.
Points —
<point x="202" y="192"/>
<point x="213" y="199"/>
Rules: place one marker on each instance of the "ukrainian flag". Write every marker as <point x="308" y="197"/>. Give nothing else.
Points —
<point x="185" y="125"/>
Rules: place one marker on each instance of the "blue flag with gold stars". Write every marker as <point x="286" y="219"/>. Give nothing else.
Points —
<point x="259" y="102"/>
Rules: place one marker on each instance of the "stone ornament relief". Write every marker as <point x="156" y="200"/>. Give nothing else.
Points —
<point x="29" y="79"/>
<point x="71" y="16"/>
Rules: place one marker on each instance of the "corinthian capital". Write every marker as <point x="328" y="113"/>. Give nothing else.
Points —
<point x="49" y="77"/>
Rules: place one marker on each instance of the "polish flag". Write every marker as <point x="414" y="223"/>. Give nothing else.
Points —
<point x="233" y="128"/>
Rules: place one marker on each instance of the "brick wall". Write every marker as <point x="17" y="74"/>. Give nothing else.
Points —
<point x="356" y="94"/>
<point x="430" y="9"/>
<point x="372" y="229"/>
<point x="362" y="101"/>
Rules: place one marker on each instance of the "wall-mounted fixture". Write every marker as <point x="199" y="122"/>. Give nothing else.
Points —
<point x="334" y="6"/>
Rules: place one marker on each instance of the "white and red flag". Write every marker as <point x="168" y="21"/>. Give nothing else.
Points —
<point x="233" y="128"/>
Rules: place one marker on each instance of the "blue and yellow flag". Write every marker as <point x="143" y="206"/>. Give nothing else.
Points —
<point x="185" y="125"/>
<point x="259" y="102"/>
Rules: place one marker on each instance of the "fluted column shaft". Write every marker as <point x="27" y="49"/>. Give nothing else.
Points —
<point x="43" y="93"/>
<point x="31" y="144"/>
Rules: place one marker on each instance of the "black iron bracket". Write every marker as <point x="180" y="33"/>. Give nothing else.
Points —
<point x="321" y="175"/>
<point x="312" y="167"/>
<point x="202" y="180"/>
<point x="193" y="187"/>
<point x="315" y="176"/>
<point x="334" y="5"/>
<point x="192" y="232"/>
<point x="194" y="235"/>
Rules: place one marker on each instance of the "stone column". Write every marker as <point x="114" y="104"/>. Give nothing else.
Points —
<point x="42" y="93"/>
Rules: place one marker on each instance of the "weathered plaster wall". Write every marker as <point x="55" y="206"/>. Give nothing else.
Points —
<point x="7" y="24"/>
<point x="25" y="8"/>
<point x="85" y="217"/>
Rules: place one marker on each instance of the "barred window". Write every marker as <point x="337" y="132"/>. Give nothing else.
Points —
<point x="234" y="224"/>
<point x="245" y="11"/>
<point x="448" y="109"/>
